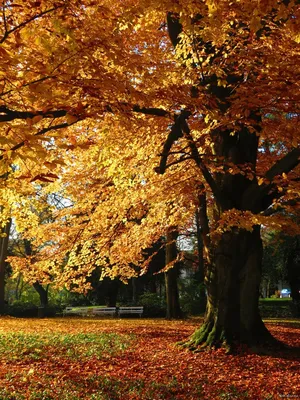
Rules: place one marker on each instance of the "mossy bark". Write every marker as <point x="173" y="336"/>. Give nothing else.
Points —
<point x="232" y="281"/>
<point x="3" y="254"/>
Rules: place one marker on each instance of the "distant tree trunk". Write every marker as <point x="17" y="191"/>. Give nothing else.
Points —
<point x="19" y="287"/>
<point x="3" y="254"/>
<point x="171" y="276"/>
<point x="112" y="292"/>
<point x="43" y="293"/>
<point x="134" y="284"/>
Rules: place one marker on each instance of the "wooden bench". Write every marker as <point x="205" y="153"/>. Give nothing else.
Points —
<point x="83" y="311"/>
<point x="104" y="311"/>
<point x="90" y="311"/>
<point x="130" y="310"/>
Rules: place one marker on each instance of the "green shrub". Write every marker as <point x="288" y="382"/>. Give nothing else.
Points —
<point x="192" y="296"/>
<point x="295" y="308"/>
<point x="30" y="310"/>
<point x="153" y="305"/>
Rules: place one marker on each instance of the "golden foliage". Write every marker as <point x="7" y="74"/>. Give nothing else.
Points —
<point x="89" y="94"/>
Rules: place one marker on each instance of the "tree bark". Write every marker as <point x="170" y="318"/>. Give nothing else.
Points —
<point x="43" y="293"/>
<point x="232" y="282"/>
<point x="3" y="254"/>
<point x="172" y="294"/>
<point x="200" y="248"/>
<point x="233" y="271"/>
<point x="112" y="291"/>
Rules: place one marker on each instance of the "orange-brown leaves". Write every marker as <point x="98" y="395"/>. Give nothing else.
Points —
<point x="148" y="365"/>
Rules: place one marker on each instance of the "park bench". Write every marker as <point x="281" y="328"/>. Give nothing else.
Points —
<point x="104" y="311"/>
<point x="90" y="311"/>
<point x="83" y="311"/>
<point x="130" y="310"/>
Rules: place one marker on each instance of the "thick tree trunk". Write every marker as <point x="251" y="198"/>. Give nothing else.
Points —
<point x="42" y="292"/>
<point x="234" y="260"/>
<point x="171" y="276"/>
<point x="232" y="281"/>
<point x="3" y="255"/>
<point x="200" y="248"/>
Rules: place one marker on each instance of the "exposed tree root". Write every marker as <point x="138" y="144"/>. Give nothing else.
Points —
<point x="208" y="336"/>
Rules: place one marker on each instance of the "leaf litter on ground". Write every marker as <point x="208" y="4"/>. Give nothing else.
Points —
<point x="110" y="359"/>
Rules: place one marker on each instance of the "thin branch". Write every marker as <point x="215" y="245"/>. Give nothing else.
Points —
<point x="205" y="172"/>
<point x="22" y="24"/>
<point x="29" y="83"/>
<point x="4" y="18"/>
<point x="181" y="159"/>
<point x="279" y="207"/>
<point x="41" y="132"/>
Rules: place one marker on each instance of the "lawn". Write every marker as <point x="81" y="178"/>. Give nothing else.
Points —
<point x="110" y="359"/>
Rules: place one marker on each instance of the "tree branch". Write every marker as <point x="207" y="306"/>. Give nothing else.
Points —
<point x="278" y="207"/>
<point x="175" y="134"/>
<point x="260" y="198"/>
<point x="29" y="83"/>
<point x="285" y="164"/>
<point x="41" y="132"/>
<point x="159" y="112"/>
<point x="22" y="24"/>
<point x="9" y="115"/>
<point x="205" y="172"/>
<point x="174" y="28"/>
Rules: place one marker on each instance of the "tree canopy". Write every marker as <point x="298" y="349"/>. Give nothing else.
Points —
<point x="135" y="113"/>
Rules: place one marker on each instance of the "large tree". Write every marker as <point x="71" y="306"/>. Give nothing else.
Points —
<point x="175" y="106"/>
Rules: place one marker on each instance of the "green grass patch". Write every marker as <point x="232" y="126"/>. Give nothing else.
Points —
<point x="273" y="301"/>
<point x="20" y="346"/>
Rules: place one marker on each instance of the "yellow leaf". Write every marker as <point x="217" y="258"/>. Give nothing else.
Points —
<point x="50" y="165"/>
<point x="71" y="119"/>
<point x="37" y="119"/>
